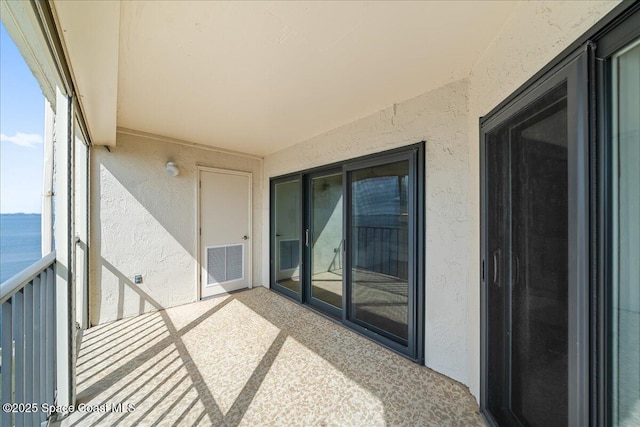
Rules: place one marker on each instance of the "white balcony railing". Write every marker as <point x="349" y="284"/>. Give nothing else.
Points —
<point x="28" y="306"/>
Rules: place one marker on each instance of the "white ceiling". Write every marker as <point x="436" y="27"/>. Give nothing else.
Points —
<point x="91" y="33"/>
<point x="257" y="77"/>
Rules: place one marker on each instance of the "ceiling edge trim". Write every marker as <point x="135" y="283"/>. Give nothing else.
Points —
<point x="147" y="135"/>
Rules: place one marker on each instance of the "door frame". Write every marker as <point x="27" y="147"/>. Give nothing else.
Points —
<point x="415" y="349"/>
<point x="249" y="251"/>
<point x="273" y="283"/>
<point x="307" y="275"/>
<point x="414" y="253"/>
<point x="574" y="70"/>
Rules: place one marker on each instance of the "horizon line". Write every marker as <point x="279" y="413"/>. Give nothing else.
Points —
<point x="20" y="213"/>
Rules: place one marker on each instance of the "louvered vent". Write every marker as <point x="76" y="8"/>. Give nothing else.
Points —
<point x="224" y="264"/>
<point x="289" y="254"/>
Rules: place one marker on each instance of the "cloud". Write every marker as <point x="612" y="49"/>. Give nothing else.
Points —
<point x="23" y="139"/>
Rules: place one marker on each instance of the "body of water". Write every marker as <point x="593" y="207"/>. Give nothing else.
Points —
<point x="20" y="243"/>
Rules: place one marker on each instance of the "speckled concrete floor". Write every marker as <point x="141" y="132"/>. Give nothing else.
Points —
<point x="254" y="358"/>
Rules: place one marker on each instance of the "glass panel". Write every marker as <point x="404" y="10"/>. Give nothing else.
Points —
<point x="497" y="196"/>
<point x="380" y="248"/>
<point x="540" y="266"/>
<point x="287" y="229"/>
<point x="626" y="293"/>
<point x="326" y="237"/>
<point x="527" y="180"/>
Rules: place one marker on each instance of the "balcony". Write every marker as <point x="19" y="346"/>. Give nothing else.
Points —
<point x="254" y="358"/>
<point x="288" y="93"/>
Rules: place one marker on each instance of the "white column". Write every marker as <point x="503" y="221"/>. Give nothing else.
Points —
<point x="80" y="224"/>
<point x="47" y="180"/>
<point x="63" y="233"/>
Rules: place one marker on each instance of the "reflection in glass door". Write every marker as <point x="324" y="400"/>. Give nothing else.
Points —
<point x="379" y="249"/>
<point x="287" y="228"/>
<point x="625" y="309"/>
<point x="326" y="241"/>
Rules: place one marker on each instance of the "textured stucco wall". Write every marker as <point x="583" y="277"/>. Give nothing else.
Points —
<point x="447" y="118"/>
<point x="144" y="222"/>
<point x="438" y="117"/>
<point x="536" y="33"/>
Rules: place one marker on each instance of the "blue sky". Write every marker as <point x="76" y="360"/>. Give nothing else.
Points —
<point x="21" y="129"/>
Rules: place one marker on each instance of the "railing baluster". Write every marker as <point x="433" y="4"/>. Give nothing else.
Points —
<point x="28" y="341"/>
<point x="36" y="341"/>
<point x="396" y="252"/>
<point x="44" y="281"/>
<point x="18" y="335"/>
<point x="51" y="335"/>
<point x="381" y="249"/>
<point x="7" y="359"/>
<point x="28" y="349"/>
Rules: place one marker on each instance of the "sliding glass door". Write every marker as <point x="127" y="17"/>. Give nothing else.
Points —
<point x="534" y="262"/>
<point x="624" y="328"/>
<point x="560" y="239"/>
<point x="359" y="232"/>
<point x="325" y="241"/>
<point x="286" y="242"/>
<point x="380" y="249"/>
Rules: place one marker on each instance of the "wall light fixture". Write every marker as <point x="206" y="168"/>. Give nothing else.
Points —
<point x="172" y="169"/>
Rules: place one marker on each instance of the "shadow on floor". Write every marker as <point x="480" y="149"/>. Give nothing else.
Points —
<point x="255" y="358"/>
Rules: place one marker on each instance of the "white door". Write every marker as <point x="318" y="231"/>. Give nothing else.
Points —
<point x="225" y="226"/>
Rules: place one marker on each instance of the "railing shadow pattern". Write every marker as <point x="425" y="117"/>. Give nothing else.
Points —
<point x="151" y="361"/>
<point x="153" y="340"/>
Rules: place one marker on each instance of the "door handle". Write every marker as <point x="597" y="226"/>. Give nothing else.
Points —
<point x="496" y="259"/>
<point x="306" y="237"/>
<point x="245" y="237"/>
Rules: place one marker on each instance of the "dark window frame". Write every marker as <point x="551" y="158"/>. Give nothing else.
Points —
<point x="355" y="324"/>
<point x="308" y="219"/>
<point x="273" y="283"/>
<point x="569" y="72"/>
<point x="618" y="28"/>
<point x="415" y="348"/>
